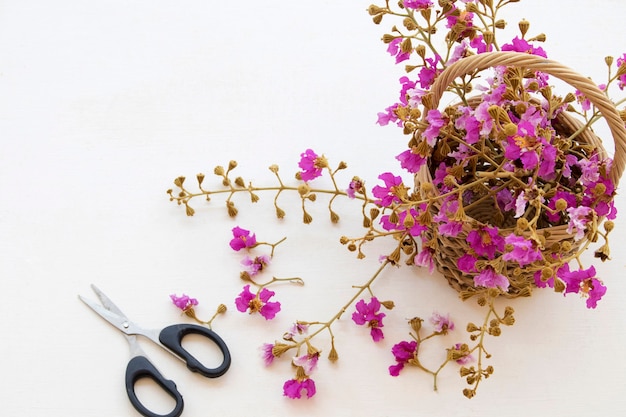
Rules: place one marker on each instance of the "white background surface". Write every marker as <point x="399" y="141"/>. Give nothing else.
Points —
<point x="104" y="103"/>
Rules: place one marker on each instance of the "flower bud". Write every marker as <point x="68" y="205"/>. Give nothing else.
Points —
<point x="218" y="170"/>
<point x="416" y="324"/>
<point x="560" y="204"/>
<point x="523" y="26"/>
<point x="609" y="225"/>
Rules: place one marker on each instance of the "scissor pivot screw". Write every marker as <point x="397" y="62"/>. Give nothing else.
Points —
<point x="125" y="325"/>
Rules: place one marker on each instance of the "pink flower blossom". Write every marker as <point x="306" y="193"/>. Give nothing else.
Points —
<point x="442" y="323"/>
<point x="355" y="186"/>
<point x="524" y="252"/>
<point x="578" y="219"/>
<point x="308" y="362"/>
<point x="466" y="263"/>
<point x="388" y="194"/>
<point x="621" y="61"/>
<point x="428" y="72"/>
<point x="521" y="45"/>
<point x="267" y="353"/>
<point x="311" y="165"/>
<point x="411" y="160"/>
<point x="491" y="279"/>
<point x="257" y="303"/>
<point x="183" y="302"/>
<point x="295" y="330"/>
<point x="368" y="313"/>
<point x="293" y="388"/>
<point x="485" y="241"/>
<point x="425" y="259"/>
<point x="389" y="116"/>
<point x="583" y="282"/>
<point x="403" y="352"/>
<point x="435" y="123"/>
<point x="417" y="4"/>
<point x="242" y="239"/>
<point x="255" y="265"/>
<point x="395" y="50"/>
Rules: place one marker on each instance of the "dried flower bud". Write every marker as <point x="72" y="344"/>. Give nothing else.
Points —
<point x="239" y="182"/>
<point x="416" y="324"/>
<point x="333" y="356"/>
<point x="378" y="18"/>
<point x="232" y="210"/>
<point x="303" y="189"/>
<point x="232" y="165"/>
<point x="539" y="38"/>
<point x="470" y="393"/>
<point x="488" y="37"/>
<point x="189" y="210"/>
<point x="273" y="168"/>
<point x="218" y="170"/>
<point x="388" y="304"/>
<point x="495" y="331"/>
<point x="312" y="197"/>
<point x="374" y="10"/>
<point x="508" y="320"/>
<point x="221" y="309"/>
<point x="280" y="213"/>
<point x="420" y="50"/>
<point x="603" y="253"/>
<point x="560" y="204"/>
<point x="387" y="38"/>
<point x="410" y="23"/>
<point x="334" y="217"/>
<point x="406" y="46"/>
<point x="609" y="225"/>
<point x="351" y="247"/>
<point x="510" y="129"/>
<point x="500" y="24"/>
<point x="523" y="26"/>
<point x="179" y="181"/>
<point x="306" y="218"/>
<point x="566" y="246"/>
<point x="471" y="327"/>
<point x="465" y="371"/>
<point x="559" y="286"/>
<point x="200" y="178"/>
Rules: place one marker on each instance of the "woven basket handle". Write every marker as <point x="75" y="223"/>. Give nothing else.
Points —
<point x="583" y="84"/>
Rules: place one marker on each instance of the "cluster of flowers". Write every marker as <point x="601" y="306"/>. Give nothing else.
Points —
<point x="500" y="172"/>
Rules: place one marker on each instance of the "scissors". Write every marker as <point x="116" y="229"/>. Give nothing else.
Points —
<point x="169" y="338"/>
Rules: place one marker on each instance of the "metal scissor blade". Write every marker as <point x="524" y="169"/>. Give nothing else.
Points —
<point x="119" y="322"/>
<point x="107" y="303"/>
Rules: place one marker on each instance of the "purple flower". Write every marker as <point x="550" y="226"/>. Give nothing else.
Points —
<point x="311" y="165"/>
<point x="395" y="50"/>
<point x="403" y="352"/>
<point x="466" y="263"/>
<point x="296" y="329"/>
<point x="491" y="279"/>
<point x="485" y="241"/>
<point x="524" y="252"/>
<point x="389" y="116"/>
<point x="369" y="314"/>
<point x="183" y="302"/>
<point x="308" y="362"/>
<point x="417" y="4"/>
<point x="293" y="388"/>
<point x="428" y="72"/>
<point x="435" y="123"/>
<point x="521" y="45"/>
<point x="256" y="265"/>
<point x="425" y="259"/>
<point x="257" y="303"/>
<point x="578" y="219"/>
<point x="389" y="193"/>
<point x="622" y="78"/>
<point x="355" y="186"/>
<point x="442" y="323"/>
<point x="411" y="160"/>
<point x="267" y="353"/>
<point x="242" y="239"/>
<point x="583" y="281"/>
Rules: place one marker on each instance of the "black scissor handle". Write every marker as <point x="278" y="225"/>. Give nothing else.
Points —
<point x="140" y="367"/>
<point x="172" y="337"/>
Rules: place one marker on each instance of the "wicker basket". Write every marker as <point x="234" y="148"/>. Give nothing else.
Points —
<point x="447" y="250"/>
